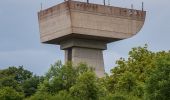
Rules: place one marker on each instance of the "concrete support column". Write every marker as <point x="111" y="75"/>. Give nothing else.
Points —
<point x="85" y="51"/>
<point x="93" y="57"/>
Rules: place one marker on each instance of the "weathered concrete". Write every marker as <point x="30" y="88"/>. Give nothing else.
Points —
<point x="84" y="29"/>
<point x="93" y="57"/>
<point x="85" y="51"/>
<point x="74" y="19"/>
<point x="93" y="44"/>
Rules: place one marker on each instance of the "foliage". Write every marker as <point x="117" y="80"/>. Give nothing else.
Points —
<point x="20" y="80"/>
<point x="62" y="95"/>
<point x="69" y="81"/>
<point x="86" y="87"/>
<point x="40" y="96"/>
<point x="8" y="93"/>
<point x="14" y="77"/>
<point x="130" y="76"/>
<point x="30" y="85"/>
<point x="19" y="74"/>
<point x="144" y="75"/>
<point x="158" y="84"/>
<point x="59" y="77"/>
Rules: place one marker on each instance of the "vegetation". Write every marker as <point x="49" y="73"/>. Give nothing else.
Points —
<point x="145" y="75"/>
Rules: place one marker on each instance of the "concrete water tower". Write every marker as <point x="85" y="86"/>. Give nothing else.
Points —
<point x="83" y="29"/>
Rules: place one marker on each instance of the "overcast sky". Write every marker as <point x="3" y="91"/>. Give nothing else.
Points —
<point x="20" y="40"/>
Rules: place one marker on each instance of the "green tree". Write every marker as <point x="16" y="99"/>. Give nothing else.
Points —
<point x="158" y="84"/>
<point x="19" y="74"/>
<point x="62" y="95"/>
<point x="9" y="81"/>
<point x="19" y="79"/>
<point x="86" y="87"/>
<point x="144" y="75"/>
<point x="30" y="85"/>
<point x="130" y="73"/>
<point x="61" y="77"/>
<point x="14" y="77"/>
<point x="71" y="79"/>
<point x="8" y="93"/>
<point x="40" y="96"/>
<point x="126" y="82"/>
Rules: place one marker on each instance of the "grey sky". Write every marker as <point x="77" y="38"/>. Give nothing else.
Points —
<point x="20" y="43"/>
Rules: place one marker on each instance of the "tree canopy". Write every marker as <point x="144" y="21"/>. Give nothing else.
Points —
<point x="144" y="75"/>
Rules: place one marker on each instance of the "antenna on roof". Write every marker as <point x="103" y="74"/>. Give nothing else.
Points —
<point x="132" y="6"/>
<point x="104" y="2"/>
<point x="142" y="6"/>
<point x="41" y="6"/>
<point x="109" y="2"/>
<point x="87" y="1"/>
<point x="132" y="9"/>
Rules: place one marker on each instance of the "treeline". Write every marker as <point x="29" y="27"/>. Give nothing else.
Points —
<point x="145" y="75"/>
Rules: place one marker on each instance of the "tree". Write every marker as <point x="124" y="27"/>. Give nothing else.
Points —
<point x="86" y="87"/>
<point x="9" y="81"/>
<point x="130" y="75"/>
<point x="144" y="75"/>
<point x="19" y="79"/>
<point x="126" y="82"/>
<point x="61" y="77"/>
<point x="40" y="96"/>
<point x="78" y="81"/>
<point x="19" y="74"/>
<point x="64" y="95"/>
<point x="158" y="84"/>
<point x="30" y="85"/>
<point x="14" y="77"/>
<point x="8" y="93"/>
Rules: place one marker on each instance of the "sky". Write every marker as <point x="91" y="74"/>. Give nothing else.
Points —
<point x="20" y="39"/>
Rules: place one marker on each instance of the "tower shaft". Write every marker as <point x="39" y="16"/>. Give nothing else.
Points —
<point x="85" y="51"/>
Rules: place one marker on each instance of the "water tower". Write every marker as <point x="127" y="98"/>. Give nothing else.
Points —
<point x="83" y="29"/>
